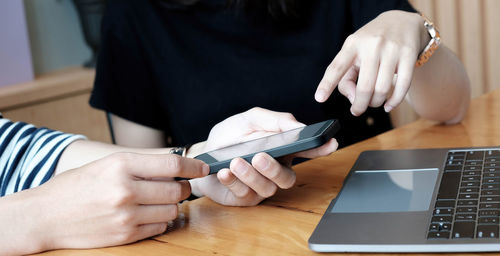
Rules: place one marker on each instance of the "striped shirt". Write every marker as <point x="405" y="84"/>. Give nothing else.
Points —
<point x="28" y="155"/>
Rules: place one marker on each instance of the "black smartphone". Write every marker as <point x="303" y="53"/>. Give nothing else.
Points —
<point x="276" y="145"/>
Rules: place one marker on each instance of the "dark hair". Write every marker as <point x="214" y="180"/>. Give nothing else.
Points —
<point x="276" y="9"/>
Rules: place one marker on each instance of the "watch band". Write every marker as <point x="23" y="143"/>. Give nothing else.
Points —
<point x="433" y="44"/>
<point x="181" y="151"/>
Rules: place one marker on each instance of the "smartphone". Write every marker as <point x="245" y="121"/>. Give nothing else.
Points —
<point x="276" y="145"/>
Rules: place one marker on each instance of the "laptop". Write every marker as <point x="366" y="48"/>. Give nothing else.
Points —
<point x="421" y="200"/>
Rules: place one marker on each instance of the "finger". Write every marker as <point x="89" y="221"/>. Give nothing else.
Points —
<point x="334" y="72"/>
<point x="238" y="188"/>
<point x="252" y="178"/>
<point x="161" y="192"/>
<point x="405" y="74"/>
<point x="347" y="85"/>
<point x="324" y="150"/>
<point x="366" y="83"/>
<point x="281" y="175"/>
<point x="270" y="121"/>
<point x="149" y="230"/>
<point x="153" y="166"/>
<point x="384" y="80"/>
<point x="147" y="214"/>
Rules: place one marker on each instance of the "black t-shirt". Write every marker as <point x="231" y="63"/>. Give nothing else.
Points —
<point x="183" y="70"/>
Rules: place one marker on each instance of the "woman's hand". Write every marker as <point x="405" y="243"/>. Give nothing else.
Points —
<point x="119" y="199"/>
<point x="245" y="184"/>
<point x="365" y="66"/>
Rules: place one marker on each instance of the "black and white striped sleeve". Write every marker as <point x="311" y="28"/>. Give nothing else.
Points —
<point x="28" y="155"/>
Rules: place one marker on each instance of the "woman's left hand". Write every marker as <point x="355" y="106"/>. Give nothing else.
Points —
<point x="365" y="66"/>
<point x="245" y="184"/>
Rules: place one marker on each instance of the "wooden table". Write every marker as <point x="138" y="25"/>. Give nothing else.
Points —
<point x="283" y="224"/>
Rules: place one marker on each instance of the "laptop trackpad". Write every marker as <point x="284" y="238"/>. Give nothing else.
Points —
<point x="387" y="191"/>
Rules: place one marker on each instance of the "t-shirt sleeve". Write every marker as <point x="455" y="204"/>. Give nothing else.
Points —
<point x="123" y="84"/>
<point x="363" y="11"/>
<point x="29" y="155"/>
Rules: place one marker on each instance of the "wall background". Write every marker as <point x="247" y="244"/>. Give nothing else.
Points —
<point x="15" y="57"/>
<point x="470" y="28"/>
<point x="55" y="34"/>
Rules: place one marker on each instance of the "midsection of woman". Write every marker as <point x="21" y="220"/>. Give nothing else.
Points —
<point x="182" y="70"/>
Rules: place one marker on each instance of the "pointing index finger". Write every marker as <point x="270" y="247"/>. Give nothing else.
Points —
<point x="334" y="72"/>
<point x="160" y="166"/>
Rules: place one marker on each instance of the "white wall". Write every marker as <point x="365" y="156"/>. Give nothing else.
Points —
<point x="55" y="34"/>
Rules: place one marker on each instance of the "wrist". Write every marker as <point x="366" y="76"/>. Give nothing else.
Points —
<point x="23" y="221"/>
<point x="424" y="34"/>
<point x="431" y="46"/>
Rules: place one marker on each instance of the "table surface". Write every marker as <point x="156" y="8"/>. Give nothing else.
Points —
<point x="283" y="223"/>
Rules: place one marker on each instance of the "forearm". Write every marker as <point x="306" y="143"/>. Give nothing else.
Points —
<point x="131" y="134"/>
<point x="441" y="88"/>
<point x="82" y="152"/>
<point x="53" y="215"/>
<point x="21" y="222"/>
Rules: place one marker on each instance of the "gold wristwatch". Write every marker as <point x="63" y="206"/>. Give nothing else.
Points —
<point x="432" y="45"/>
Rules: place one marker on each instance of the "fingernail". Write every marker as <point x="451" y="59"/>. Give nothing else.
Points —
<point x="320" y="95"/>
<point x="387" y="108"/>
<point x="262" y="162"/>
<point x="352" y="112"/>
<point x="205" y="169"/>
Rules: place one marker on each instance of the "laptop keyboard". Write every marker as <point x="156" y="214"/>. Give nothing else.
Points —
<point x="468" y="200"/>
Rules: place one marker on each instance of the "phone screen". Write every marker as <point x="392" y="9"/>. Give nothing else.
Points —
<point x="265" y="143"/>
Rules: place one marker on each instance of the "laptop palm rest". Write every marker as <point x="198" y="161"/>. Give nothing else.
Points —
<point x="387" y="191"/>
<point x="385" y="204"/>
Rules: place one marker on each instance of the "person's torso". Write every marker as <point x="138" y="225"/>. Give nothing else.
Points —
<point x="209" y="62"/>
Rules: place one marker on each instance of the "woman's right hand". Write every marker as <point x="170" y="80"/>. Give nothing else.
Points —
<point x="119" y="199"/>
<point x="247" y="184"/>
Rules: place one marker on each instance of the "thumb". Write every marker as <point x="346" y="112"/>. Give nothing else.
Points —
<point x="272" y="121"/>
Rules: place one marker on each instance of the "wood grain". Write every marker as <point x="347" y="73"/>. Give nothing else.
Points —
<point x="282" y="225"/>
